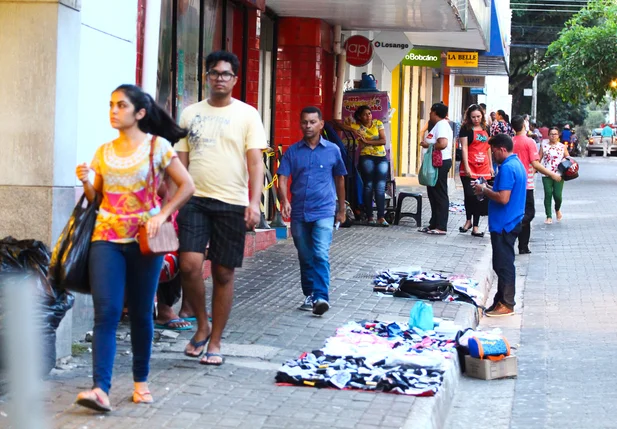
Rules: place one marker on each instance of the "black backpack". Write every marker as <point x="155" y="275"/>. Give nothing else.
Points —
<point x="433" y="290"/>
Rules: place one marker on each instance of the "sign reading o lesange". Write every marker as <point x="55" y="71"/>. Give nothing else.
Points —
<point x="391" y="47"/>
<point x="423" y="58"/>
<point x="462" y="59"/>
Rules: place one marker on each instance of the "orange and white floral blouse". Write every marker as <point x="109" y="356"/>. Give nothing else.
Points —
<point x="127" y="198"/>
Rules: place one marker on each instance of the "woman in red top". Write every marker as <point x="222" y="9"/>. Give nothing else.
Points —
<point x="476" y="162"/>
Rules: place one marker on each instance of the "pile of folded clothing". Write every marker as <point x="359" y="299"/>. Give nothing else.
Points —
<point x="375" y="356"/>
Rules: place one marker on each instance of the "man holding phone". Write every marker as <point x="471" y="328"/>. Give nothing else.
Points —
<point x="317" y="170"/>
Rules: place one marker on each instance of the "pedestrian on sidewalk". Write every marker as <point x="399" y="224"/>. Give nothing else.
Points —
<point x="607" y="137"/>
<point x="441" y="135"/>
<point x="223" y="153"/>
<point x="116" y="266"/>
<point x="317" y="171"/>
<point x="373" y="163"/>
<point x="501" y="124"/>
<point x="526" y="150"/>
<point x="551" y="154"/>
<point x="476" y="162"/>
<point x="506" y="208"/>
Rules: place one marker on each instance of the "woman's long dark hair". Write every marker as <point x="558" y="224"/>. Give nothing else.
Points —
<point x="157" y="121"/>
<point x="504" y="115"/>
<point x="467" y="123"/>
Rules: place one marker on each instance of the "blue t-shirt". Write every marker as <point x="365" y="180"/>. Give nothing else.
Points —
<point x="511" y="176"/>
<point x="607" y="131"/>
<point x="312" y="171"/>
<point x="566" y="135"/>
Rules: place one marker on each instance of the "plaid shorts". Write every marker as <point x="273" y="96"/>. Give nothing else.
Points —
<point x="204" y="220"/>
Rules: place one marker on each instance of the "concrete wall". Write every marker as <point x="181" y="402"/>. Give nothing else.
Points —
<point x="59" y="62"/>
<point x="107" y="59"/>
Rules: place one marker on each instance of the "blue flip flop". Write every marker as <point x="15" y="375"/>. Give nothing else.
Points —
<point x="196" y="345"/>
<point x="194" y="319"/>
<point x="171" y="328"/>
<point x="208" y="354"/>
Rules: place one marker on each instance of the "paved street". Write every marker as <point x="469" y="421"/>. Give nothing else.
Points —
<point x="566" y="323"/>
<point x="266" y="329"/>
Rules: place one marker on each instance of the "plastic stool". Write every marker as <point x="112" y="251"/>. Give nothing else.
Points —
<point x="417" y="216"/>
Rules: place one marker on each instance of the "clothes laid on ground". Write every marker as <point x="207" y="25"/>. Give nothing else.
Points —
<point x="413" y="282"/>
<point x="456" y="207"/>
<point x="375" y="356"/>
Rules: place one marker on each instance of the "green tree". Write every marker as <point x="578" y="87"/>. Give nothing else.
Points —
<point x="586" y="54"/>
<point x="552" y="109"/>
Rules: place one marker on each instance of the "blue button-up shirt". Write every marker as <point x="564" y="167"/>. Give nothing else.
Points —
<point x="313" y="191"/>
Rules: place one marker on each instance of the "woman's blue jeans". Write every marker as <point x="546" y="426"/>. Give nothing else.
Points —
<point x="374" y="171"/>
<point x="313" y="239"/>
<point x="119" y="270"/>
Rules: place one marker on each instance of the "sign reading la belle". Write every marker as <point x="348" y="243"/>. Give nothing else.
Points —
<point x="462" y="59"/>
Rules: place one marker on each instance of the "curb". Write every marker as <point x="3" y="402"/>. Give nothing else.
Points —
<point x="432" y="413"/>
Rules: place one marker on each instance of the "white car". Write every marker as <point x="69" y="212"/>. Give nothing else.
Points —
<point x="595" y="146"/>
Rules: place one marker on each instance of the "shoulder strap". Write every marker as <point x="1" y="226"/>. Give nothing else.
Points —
<point x="152" y="174"/>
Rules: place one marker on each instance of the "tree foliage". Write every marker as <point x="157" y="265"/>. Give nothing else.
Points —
<point x="552" y="109"/>
<point x="532" y="32"/>
<point x="586" y="54"/>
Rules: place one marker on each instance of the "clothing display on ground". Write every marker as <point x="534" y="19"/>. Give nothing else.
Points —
<point x="375" y="356"/>
<point x="414" y="282"/>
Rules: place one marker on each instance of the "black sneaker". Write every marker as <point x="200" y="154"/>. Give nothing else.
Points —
<point x="307" y="305"/>
<point x="524" y="251"/>
<point x="320" y="306"/>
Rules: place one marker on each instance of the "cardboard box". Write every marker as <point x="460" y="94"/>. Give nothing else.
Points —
<point x="485" y="369"/>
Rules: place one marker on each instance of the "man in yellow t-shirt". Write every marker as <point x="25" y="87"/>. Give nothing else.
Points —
<point x="223" y="155"/>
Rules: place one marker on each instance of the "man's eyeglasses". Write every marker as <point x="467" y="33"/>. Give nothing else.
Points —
<point x="225" y="76"/>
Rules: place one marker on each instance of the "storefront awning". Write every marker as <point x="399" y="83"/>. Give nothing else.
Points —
<point x="390" y="15"/>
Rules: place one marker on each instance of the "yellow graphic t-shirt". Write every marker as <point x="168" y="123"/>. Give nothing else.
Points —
<point x="371" y="133"/>
<point x="218" y="140"/>
<point x="127" y="197"/>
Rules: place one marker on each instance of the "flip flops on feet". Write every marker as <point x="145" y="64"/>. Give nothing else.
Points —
<point x="436" y="232"/>
<point x="220" y="359"/>
<point x="93" y="400"/>
<point x="180" y="325"/>
<point x="196" y="345"/>
<point x="559" y="216"/>
<point x="548" y="221"/>
<point x="142" y="397"/>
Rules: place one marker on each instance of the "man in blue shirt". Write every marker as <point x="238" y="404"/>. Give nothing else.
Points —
<point x="607" y="139"/>
<point x="506" y="208"/>
<point x="317" y="171"/>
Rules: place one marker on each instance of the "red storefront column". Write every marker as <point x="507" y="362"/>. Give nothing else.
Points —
<point x="304" y="75"/>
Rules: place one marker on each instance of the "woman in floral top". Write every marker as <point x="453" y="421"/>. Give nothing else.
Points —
<point x="373" y="163"/>
<point x="116" y="266"/>
<point x="501" y="124"/>
<point x="551" y="154"/>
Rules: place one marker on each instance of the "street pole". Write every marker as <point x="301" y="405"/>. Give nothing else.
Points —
<point x="534" y="98"/>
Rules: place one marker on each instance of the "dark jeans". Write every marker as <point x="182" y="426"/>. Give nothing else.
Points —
<point x="530" y="213"/>
<point x="503" y="265"/>
<point x="117" y="270"/>
<point x="473" y="207"/>
<point x="438" y="198"/>
<point x="374" y="171"/>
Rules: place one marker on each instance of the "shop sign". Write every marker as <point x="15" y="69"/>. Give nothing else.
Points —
<point x="469" y="81"/>
<point x="391" y="47"/>
<point x="423" y="58"/>
<point x="462" y="59"/>
<point x="358" y="51"/>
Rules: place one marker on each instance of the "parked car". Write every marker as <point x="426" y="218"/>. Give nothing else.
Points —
<point x="594" y="144"/>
